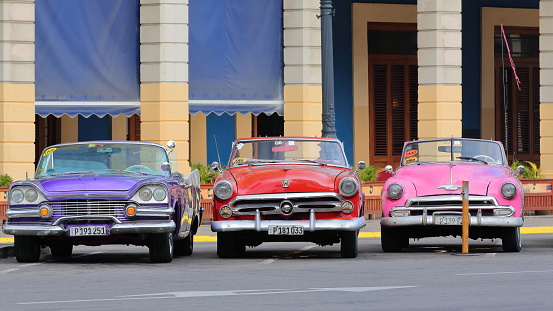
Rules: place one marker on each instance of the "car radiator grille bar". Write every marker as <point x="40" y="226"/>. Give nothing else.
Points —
<point x="88" y="207"/>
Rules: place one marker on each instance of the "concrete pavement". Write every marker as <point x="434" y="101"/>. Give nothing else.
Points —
<point x="532" y="224"/>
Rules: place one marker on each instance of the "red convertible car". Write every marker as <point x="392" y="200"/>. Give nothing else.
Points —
<point x="287" y="189"/>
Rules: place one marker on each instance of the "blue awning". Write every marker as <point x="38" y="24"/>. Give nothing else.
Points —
<point x="236" y="56"/>
<point x="86" y="109"/>
<point x="87" y="57"/>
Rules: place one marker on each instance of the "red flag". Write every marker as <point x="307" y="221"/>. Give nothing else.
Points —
<point x="510" y="58"/>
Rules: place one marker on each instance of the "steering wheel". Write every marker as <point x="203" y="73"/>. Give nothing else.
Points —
<point x="139" y="168"/>
<point x="486" y="158"/>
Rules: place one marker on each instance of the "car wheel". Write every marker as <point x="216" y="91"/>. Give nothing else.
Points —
<point x="161" y="247"/>
<point x="511" y="240"/>
<point x="26" y="248"/>
<point x="391" y="240"/>
<point x="61" y="249"/>
<point x="185" y="247"/>
<point x="348" y="244"/>
<point x="226" y="245"/>
<point x="239" y="243"/>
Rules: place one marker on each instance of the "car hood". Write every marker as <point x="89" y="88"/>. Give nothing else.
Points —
<point x="427" y="177"/>
<point x="258" y="179"/>
<point x="93" y="182"/>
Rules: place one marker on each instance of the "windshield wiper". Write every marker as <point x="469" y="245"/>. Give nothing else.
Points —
<point x="471" y="158"/>
<point x="312" y="161"/>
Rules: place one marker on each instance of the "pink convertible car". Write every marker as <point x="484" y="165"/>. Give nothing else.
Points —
<point x="423" y="198"/>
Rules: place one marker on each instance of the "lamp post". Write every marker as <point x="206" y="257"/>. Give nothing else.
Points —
<point x="327" y="64"/>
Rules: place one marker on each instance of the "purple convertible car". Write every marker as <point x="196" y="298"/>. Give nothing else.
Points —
<point x="105" y="192"/>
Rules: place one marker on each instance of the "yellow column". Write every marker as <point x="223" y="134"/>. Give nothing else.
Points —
<point x="302" y="69"/>
<point x="302" y="110"/>
<point x="440" y="60"/>
<point x="546" y="89"/>
<point x="164" y="75"/>
<point x="198" y="139"/>
<point x="17" y="89"/>
<point x="164" y="116"/>
<point x="69" y="129"/>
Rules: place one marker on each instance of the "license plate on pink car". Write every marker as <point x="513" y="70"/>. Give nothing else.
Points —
<point x="285" y="230"/>
<point x="448" y="220"/>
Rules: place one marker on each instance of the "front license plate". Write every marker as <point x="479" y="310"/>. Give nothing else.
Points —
<point x="285" y="230"/>
<point x="87" y="230"/>
<point x="448" y="220"/>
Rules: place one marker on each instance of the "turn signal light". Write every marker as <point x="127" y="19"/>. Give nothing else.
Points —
<point x="130" y="211"/>
<point x="44" y="211"/>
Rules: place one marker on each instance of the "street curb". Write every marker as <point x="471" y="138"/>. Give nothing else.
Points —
<point x="6" y="251"/>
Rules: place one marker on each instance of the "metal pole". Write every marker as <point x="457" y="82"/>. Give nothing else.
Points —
<point x="327" y="64"/>
<point x="466" y="219"/>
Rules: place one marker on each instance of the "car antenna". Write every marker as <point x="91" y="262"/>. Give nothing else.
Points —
<point x="217" y="148"/>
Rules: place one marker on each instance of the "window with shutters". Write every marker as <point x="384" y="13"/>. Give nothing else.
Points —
<point x="393" y="85"/>
<point x="517" y="110"/>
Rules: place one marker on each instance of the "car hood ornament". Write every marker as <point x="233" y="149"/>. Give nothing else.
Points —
<point x="285" y="183"/>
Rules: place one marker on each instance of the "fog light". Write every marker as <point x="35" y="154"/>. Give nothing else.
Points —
<point x="225" y="212"/>
<point x="44" y="211"/>
<point x="130" y="210"/>
<point x="286" y="207"/>
<point x="400" y="213"/>
<point x="502" y="212"/>
<point x="347" y="207"/>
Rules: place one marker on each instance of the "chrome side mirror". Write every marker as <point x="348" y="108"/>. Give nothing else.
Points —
<point x="389" y="169"/>
<point x="361" y="165"/>
<point x="166" y="166"/>
<point x="521" y="170"/>
<point x="215" y="166"/>
<point x="171" y="144"/>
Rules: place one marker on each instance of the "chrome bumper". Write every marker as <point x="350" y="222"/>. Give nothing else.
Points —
<point x="119" y="228"/>
<point x="475" y="221"/>
<point x="310" y="225"/>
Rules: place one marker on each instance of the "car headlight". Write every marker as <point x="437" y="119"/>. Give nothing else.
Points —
<point x="348" y="186"/>
<point x="17" y="195"/>
<point x="508" y="190"/>
<point x="31" y="195"/>
<point x="159" y="194"/>
<point x="395" y="191"/>
<point x="223" y="190"/>
<point x="145" y="194"/>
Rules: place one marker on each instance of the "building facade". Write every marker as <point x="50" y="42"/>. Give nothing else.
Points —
<point x="203" y="72"/>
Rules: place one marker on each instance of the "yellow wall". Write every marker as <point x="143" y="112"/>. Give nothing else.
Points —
<point x="364" y="13"/>
<point x="69" y="129"/>
<point x="164" y="116"/>
<point x="17" y="130"/>
<point x="492" y="17"/>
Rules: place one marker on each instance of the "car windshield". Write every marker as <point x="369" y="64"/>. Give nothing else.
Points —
<point x="448" y="150"/>
<point x="287" y="150"/>
<point x="82" y="158"/>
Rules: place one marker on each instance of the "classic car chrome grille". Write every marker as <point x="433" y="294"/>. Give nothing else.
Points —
<point x="88" y="207"/>
<point x="302" y="203"/>
<point x="452" y="203"/>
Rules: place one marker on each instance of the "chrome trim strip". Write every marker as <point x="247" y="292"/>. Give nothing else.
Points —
<point x="60" y="220"/>
<point x="452" y="197"/>
<point x="485" y="221"/>
<point x="257" y="220"/>
<point x="318" y="225"/>
<point x="22" y="212"/>
<point x="312" y="220"/>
